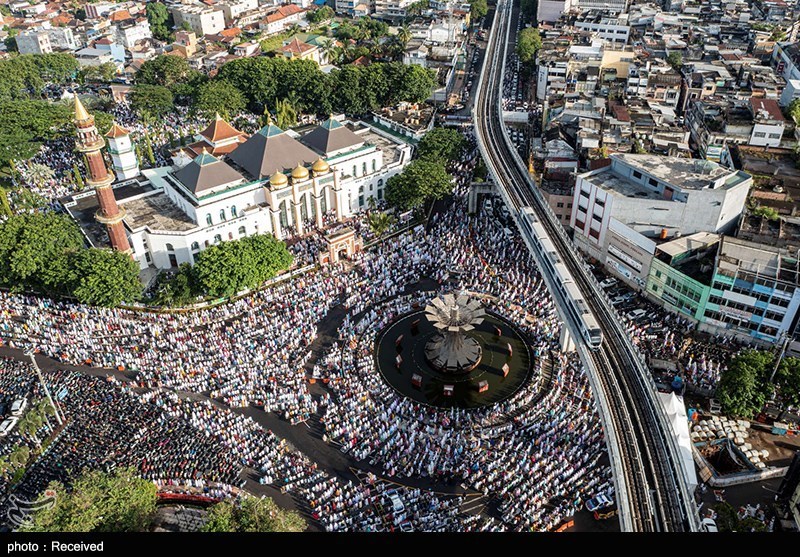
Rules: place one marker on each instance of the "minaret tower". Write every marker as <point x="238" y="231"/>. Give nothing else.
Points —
<point x="98" y="176"/>
<point x="123" y="157"/>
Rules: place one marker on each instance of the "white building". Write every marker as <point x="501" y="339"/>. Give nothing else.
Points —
<point x="619" y="212"/>
<point x="123" y="156"/>
<point x="274" y="182"/>
<point x="202" y="19"/>
<point x="35" y="41"/>
<point x="130" y="31"/>
<point x="391" y="8"/>
<point x="786" y="60"/>
<point x="614" y="29"/>
<point x="551" y="10"/>
<point x="281" y="18"/>
<point x="235" y="8"/>
<point x="768" y="123"/>
<point x="790" y="92"/>
<point x="551" y="75"/>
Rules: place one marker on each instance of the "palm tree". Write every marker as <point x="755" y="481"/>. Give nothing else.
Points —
<point x="19" y="456"/>
<point x="379" y="223"/>
<point x="45" y="410"/>
<point x="329" y="50"/>
<point x="40" y="173"/>
<point x="30" y="423"/>
<point x="404" y="35"/>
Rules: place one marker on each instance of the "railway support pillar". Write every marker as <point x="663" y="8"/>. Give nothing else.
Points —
<point x="472" y="198"/>
<point x="565" y="340"/>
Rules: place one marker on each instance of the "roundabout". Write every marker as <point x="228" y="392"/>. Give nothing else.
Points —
<point x="497" y="361"/>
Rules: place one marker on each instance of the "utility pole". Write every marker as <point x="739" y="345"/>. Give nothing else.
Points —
<point x="780" y="356"/>
<point x="44" y="386"/>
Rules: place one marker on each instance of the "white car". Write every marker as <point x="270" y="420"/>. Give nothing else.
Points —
<point x="608" y="283"/>
<point x="636" y="314"/>
<point x="7" y="425"/>
<point x="708" y="525"/>
<point x="19" y="406"/>
<point x="397" y="503"/>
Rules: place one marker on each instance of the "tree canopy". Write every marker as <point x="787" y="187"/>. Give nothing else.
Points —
<point x="420" y="181"/>
<point x="528" y="44"/>
<point x="794" y="110"/>
<point x="252" y="514"/>
<point x="788" y="382"/>
<point x="219" y="96"/>
<point x="46" y="253"/>
<point x="675" y="59"/>
<point x="27" y="74"/>
<point x="24" y="124"/>
<point x="351" y="89"/>
<point x="478" y="9"/>
<point x="744" y="386"/>
<point x="321" y="15"/>
<point x="442" y="144"/>
<point x="151" y="100"/>
<point x="160" y="21"/>
<point x="228" y="267"/>
<point x="98" y="502"/>
<point x="166" y="70"/>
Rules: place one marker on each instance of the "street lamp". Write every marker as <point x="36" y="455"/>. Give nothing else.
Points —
<point x="32" y="356"/>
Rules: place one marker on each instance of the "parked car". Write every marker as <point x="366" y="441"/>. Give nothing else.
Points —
<point x="636" y="314"/>
<point x="599" y="501"/>
<point x="396" y="501"/>
<point x="406" y="526"/>
<point x="708" y="525"/>
<point x="7" y="425"/>
<point x="18" y="407"/>
<point x="609" y="282"/>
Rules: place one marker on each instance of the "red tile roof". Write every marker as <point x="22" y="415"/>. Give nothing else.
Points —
<point x="769" y="105"/>
<point x="117" y="131"/>
<point x="218" y="130"/>
<point x="232" y="32"/>
<point x="120" y="15"/>
<point x="297" y="47"/>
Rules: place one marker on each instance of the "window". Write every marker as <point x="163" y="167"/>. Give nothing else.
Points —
<point x="207" y="243"/>
<point x="364" y="167"/>
<point x="380" y="183"/>
<point x="637" y="174"/>
<point x="653" y="182"/>
<point x="569" y="205"/>
<point x="303" y="208"/>
<point x="559" y="205"/>
<point x="774" y="136"/>
<point x="242" y="231"/>
<point x="759" y="134"/>
<point x="217" y="238"/>
<point x="208" y="219"/>
<point x="233" y="211"/>
<point x="354" y="171"/>
<point x="230" y="235"/>
<point x="374" y="165"/>
<point x="380" y="194"/>
<point x="195" y="246"/>
<point x="222" y="215"/>
<point x="284" y="216"/>
<point x="170" y="248"/>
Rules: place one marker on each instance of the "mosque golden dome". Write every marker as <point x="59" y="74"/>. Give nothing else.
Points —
<point x="278" y="179"/>
<point x="300" y="172"/>
<point x="320" y="166"/>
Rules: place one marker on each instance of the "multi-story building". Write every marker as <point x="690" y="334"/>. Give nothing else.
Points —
<point x="609" y="28"/>
<point x="790" y="92"/>
<point x="754" y="289"/>
<point x="607" y="6"/>
<point x="551" y="74"/>
<point x="391" y="8"/>
<point x="35" y="41"/>
<point x="203" y="20"/>
<point x="284" y="16"/>
<point x="768" y="123"/>
<point x="235" y="8"/>
<point x="353" y="8"/>
<point x="274" y="181"/>
<point x="621" y="211"/>
<point x="786" y="60"/>
<point x="129" y="31"/>
<point x="551" y="10"/>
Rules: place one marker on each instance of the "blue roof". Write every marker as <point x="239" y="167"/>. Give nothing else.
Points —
<point x="270" y="130"/>
<point x="331" y="124"/>
<point x="319" y="2"/>
<point x="205" y="158"/>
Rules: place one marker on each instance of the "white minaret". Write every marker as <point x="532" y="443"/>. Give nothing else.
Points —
<point x="123" y="157"/>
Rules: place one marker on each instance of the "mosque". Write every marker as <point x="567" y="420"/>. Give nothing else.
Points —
<point x="227" y="185"/>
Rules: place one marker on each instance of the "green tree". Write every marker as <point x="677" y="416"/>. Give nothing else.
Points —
<point x="794" y="110"/>
<point x="219" y="96"/>
<point x="104" y="277"/>
<point x="528" y="44"/>
<point x="226" y="268"/>
<point x="788" y="382"/>
<point x="165" y="70"/>
<point x="675" y="59"/>
<point x="379" y="223"/>
<point x="442" y="144"/>
<point x="478" y="9"/>
<point x="321" y="15"/>
<point x="529" y="8"/>
<point x="744" y="386"/>
<point x="767" y="212"/>
<point x="151" y="100"/>
<point x="416" y="83"/>
<point x="35" y="251"/>
<point x="420" y="181"/>
<point x="251" y="514"/>
<point x="285" y="115"/>
<point x="728" y="520"/>
<point x="98" y="502"/>
<point x="160" y="21"/>
<point x="104" y="73"/>
<point x="24" y="124"/>
<point x="76" y="174"/>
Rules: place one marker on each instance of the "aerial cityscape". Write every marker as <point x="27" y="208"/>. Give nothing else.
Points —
<point x="399" y="266"/>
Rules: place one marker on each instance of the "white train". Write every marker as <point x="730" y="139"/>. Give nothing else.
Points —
<point x="576" y="304"/>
